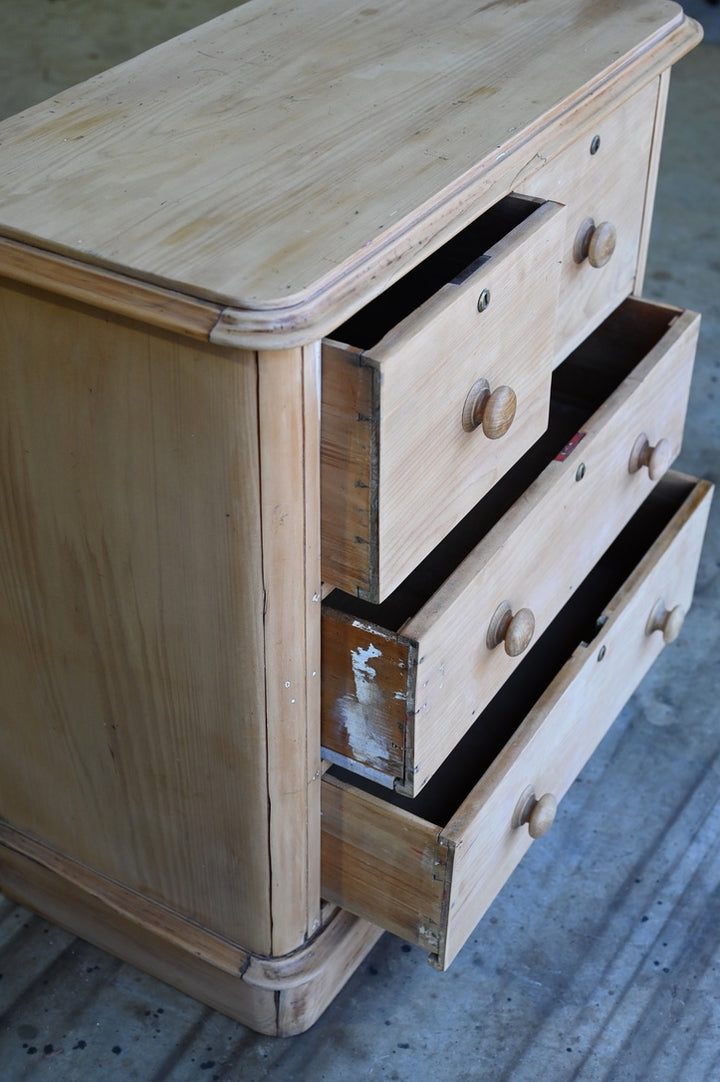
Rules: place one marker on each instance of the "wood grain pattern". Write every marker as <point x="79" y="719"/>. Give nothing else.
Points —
<point x="610" y="185"/>
<point x="174" y="165"/>
<point x="557" y="738"/>
<point x="424" y="470"/>
<point x="310" y="857"/>
<point x="375" y="853"/>
<point x="177" y="236"/>
<point x="384" y="863"/>
<point x="277" y="996"/>
<point x="546" y="544"/>
<point x="131" y="612"/>
<point x="658" y="130"/>
<point x="540" y="550"/>
<point x="349" y="469"/>
<point x="366" y="704"/>
<point x="288" y="406"/>
<point x="123" y="296"/>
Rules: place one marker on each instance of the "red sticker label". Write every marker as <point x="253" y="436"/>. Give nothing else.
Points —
<point x="570" y="447"/>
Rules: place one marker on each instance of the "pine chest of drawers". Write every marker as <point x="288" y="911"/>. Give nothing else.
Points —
<point x="338" y="512"/>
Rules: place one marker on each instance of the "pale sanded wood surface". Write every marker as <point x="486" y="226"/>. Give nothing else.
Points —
<point x="131" y="610"/>
<point x="547" y="543"/>
<point x="289" y="517"/>
<point x="608" y="186"/>
<point x="651" y="187"/>
<point x="534" y="557"/>
<point x="276" y="996"/>
<point x="159" y="518"/>
<point x="349" y="469"/>
<point x="174" y="166"/>
<point x="248" y="184"/>
<point x="112" y="292"/>
<point x="411" y="466"/>
<point x="384" y="862"/>
<point x="558" y="737"/>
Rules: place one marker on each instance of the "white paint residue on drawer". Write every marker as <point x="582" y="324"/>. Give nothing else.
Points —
<point x="356" y="712"/>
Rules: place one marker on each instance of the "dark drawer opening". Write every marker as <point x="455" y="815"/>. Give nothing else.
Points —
<point x="580" y="386"/>
<point x="576" y="625"/>
<point x="453" y="262"/>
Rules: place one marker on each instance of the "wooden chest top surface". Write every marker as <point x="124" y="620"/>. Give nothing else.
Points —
<point x="260" y="158"/>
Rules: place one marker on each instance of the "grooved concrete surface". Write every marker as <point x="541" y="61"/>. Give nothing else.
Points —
<point x="600" y="960"/>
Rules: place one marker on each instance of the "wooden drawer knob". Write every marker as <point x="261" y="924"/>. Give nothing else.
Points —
<point x="494" y="412"/>
<point x="515" y="631"/>
<point x="539" y="814"/>
<point x="669" y="621"/>
<point x="596" y="243"/>
<point x="657" y="458"/>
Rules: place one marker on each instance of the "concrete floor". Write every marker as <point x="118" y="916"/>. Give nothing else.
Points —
<point x="600" y="960"/>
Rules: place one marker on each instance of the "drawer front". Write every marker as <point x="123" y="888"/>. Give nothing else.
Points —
<point x="418" y="426"/>
<point x="604" y="179"/>
<point x="428" y="869"/>
<point x="398" y="696"/>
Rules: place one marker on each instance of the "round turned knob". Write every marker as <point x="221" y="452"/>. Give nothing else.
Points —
<point x="669" y="621"/>
<point x="539" y="814"/>
<point x="596" y="243"/>
<point x="515" y="631"/>
<point x="657" y="458"/>
<point x="494" y="412"/>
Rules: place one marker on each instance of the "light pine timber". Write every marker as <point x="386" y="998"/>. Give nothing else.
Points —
<point x="398" y="469"/>
<point x="658" y="130"/>
<point x="430" y="883"/>
<point x="349" y="469"/>
<point x="535" y="557"/>
<point x="154" y="551"/>
<point x="124" y="296"/>
<point x="402" y="458"/>
<point x="551" y="750"/>
<point x="173" y="166"/>
<point x="276" y="996"/>
<point x="289" y="423"/>
<point x="612" y="186"/>
<point x="165" y="184"/>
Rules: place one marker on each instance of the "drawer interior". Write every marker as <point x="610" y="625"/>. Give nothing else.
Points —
<point x="577" y="624"/>
<point x="580" y="386"/>
<point x="453" y="262"/>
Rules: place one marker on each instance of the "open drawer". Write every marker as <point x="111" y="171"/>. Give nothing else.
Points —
<point x="432" y="391"/>
<point x="403" y="681"/>
<point x="427" y="869"/>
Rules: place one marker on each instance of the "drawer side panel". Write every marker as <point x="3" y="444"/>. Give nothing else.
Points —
<point x="389" y="869"/>
<point x="349" y="472"/>
<point x="367" y="694"/>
